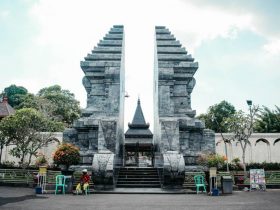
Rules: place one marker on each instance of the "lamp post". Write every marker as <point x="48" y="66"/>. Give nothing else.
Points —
<point x="123" y="145"/>
<point x="249" y="103"/>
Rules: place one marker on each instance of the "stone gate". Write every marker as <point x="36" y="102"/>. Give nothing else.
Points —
<point x="178" y="136"/>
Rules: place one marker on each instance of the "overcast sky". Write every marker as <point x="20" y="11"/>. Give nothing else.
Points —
<point x="236" y="42"/>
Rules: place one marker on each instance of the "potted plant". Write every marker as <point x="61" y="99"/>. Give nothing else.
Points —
<point x="41" y="161"/>
<point x="65" y="155"/>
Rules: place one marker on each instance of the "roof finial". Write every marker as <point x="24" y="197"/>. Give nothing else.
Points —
<point x="138" y="102"/>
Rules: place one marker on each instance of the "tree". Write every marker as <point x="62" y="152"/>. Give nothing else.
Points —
<point x="43" y="105"/>
<point x="66" y="107"/>
<point x="216" y="114"/>
<point x="14" y="94"/>
<point x="53" y="102"/>
<point x="241" y="125"/>
<point x="268" y="120"/>
<point x="23" y="131"/>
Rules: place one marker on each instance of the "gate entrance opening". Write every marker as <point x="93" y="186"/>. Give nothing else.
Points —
<point x="139" y="155"/>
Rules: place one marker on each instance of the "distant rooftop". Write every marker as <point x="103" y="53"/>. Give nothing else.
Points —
<point x="5" y="108"/>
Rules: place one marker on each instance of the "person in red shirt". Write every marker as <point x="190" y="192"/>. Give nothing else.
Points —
<point x="84" y="182"/>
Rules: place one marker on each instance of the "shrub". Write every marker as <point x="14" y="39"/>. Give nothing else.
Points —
<point x="211" y="160"/>
<point x="8" y="164"/>
<point x="266" y="166"/>
<point x="66" y="154"/>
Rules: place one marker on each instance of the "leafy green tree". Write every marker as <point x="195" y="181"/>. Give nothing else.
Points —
<point x="66" y="108"/>
<point x="241" y="125"/>
<point x="53" y="102"/>
<point x="14" y="94"/>
<point x="268" y="120"/>
<point x="216" y="114"/>
<point x="23" y="131"/>
<point x="43" y="105"/>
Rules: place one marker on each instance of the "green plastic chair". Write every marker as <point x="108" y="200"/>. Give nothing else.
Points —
<point x="199" y="182"/>
<point x="60" y="182"/>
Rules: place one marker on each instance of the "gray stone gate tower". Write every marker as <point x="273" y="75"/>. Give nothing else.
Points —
<point x="178" y="136"/>
<point x="100" y="131"/>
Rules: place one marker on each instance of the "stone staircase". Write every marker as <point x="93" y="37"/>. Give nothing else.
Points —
<point x="130" y="177"/>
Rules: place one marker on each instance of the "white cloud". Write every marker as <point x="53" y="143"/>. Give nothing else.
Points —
<point x="273" y="47"/>
<point x="4" y="14"/>
<point x="66" y="30"/>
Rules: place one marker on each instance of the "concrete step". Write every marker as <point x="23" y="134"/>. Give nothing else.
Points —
<point x="138" y="179"/>
<point x="138" y="182"/>
<point x="133" y="177"/>
<point x="139" y="185"/>
<point x="138" y="173"/>
<point x="138" y="176"/>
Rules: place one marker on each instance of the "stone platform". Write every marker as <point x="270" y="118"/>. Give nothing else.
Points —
<point x="144" y="191"/>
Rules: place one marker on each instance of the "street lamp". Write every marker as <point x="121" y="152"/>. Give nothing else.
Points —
<point x="249" y="103"/>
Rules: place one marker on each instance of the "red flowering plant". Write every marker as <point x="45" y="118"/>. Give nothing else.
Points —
<point x="66" y="154"/>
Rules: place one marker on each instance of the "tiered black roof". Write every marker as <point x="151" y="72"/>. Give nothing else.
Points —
<point x="138" y="127"/>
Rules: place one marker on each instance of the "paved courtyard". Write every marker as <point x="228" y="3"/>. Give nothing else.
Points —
<point x="24" y="198"/>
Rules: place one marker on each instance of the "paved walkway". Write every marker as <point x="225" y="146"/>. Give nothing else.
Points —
<point x="24" y="198"/>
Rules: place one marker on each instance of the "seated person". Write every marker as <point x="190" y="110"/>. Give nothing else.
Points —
<point x="84" y="182"/>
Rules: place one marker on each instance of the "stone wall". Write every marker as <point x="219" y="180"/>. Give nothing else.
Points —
<point x="263" y="147"/>
<point x="48" y="150"/>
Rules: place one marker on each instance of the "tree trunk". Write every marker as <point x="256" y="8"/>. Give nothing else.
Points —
<point x="22" y="160"/>
<point x="244" y="164"/>
<point x="29" y="160"/>
<point x="1" y="149"/>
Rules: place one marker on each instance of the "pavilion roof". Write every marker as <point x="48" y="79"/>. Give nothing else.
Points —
<point x="138" y="127"/>
<point x="5" y="108"/>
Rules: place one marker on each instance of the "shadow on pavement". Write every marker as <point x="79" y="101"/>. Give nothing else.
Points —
<point x="5" y="200"/>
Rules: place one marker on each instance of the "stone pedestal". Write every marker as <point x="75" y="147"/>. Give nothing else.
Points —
<point x="173" y="168"/>
<point x="103" y="170"/>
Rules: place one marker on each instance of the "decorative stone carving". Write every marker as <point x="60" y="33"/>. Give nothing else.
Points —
<point x="169" y="135"/>
<point x="173" y="168"/>
<point x="103" y="169"/>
